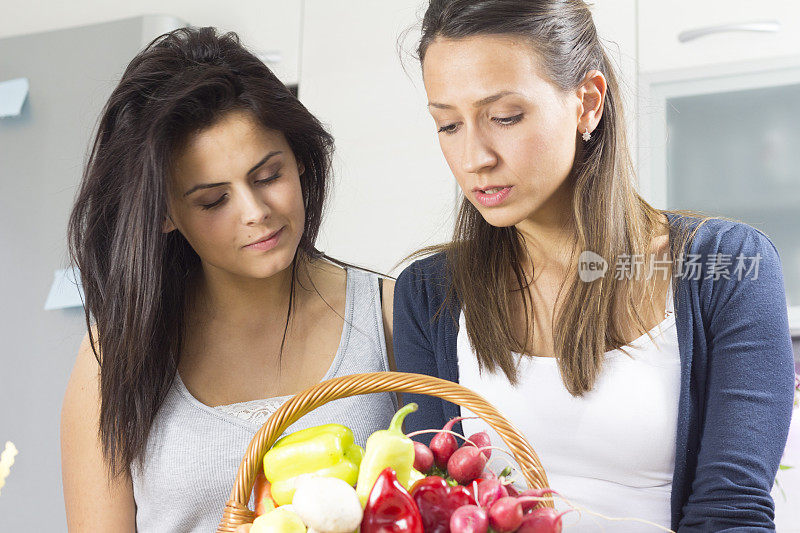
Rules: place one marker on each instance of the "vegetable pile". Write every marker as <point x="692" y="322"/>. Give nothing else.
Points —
<point x="318" y="480"/>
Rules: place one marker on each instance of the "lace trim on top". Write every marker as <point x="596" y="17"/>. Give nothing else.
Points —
<point x="255" y="411"/>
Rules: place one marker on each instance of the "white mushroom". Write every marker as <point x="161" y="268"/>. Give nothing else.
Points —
<point x="327" y="505"/>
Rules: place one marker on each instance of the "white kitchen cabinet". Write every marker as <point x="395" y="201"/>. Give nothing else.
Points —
<point x="393" y="191"/>
<point x="660" y="24"/>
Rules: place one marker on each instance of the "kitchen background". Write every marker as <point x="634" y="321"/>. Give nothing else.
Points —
<point x="713" y="99"/>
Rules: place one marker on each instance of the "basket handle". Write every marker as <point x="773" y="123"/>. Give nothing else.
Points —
<point x="236" y="512"/>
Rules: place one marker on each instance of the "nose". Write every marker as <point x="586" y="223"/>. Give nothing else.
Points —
<point x="477" y="153"/>
<point x="254" y="209"/>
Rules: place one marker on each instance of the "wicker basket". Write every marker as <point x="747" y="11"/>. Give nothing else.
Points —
<point x="236" y="511"/>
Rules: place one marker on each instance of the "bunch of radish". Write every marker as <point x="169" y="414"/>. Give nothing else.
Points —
<point x="497" y="504"/>
<point x="505" y="513"/>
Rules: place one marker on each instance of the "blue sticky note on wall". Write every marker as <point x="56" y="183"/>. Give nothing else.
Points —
<point x="66" y="290"/>
<point x="12" y="96"/>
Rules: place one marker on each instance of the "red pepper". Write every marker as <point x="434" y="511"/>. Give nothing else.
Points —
<point x="437" y="501"/>
<point x="390" y="508"/>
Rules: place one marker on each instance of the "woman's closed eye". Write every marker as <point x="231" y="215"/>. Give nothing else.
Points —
<point x="447" y="128"/>
<point x="214" y="204"/>
<point x="501" y="121"/>
<point x="508" y="121"/>
<point x="222" y="198"/>
<point x="268" y="180"/>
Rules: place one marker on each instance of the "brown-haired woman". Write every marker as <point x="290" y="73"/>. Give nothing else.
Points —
<point x="645" y="354"/>
<point x="194" y="231"/>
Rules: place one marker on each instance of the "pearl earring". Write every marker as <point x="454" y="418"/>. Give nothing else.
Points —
<point x="587" y="135"/>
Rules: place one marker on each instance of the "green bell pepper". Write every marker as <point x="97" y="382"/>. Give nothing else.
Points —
<point x="387" y="448"/>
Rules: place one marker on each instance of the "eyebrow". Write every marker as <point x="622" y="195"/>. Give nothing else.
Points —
<point x="479" y="103"/>
<point x="255" y="167"/>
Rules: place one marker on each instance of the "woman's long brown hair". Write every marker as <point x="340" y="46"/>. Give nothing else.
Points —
<point x="486" y="263"/>
<point x="134" y="276"/>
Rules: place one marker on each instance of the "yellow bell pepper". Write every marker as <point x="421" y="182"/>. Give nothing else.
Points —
<point x="279" y="520"/>
<point x="328" y="450"/>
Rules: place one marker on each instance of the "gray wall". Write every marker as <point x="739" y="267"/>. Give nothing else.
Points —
<point x="71" y="73"/>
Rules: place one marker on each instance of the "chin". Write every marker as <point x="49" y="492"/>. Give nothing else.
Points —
<point x="269" y="265"/>
<point x="501" y="218"/>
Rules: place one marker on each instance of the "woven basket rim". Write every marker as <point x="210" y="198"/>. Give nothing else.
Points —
<point x="236" y="511"/>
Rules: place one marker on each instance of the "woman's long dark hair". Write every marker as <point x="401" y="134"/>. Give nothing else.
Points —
<point x="611" y="218"/>
<point x="134" y="276"/>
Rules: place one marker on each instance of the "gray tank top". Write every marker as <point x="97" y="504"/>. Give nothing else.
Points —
<point x="194" y="450"/>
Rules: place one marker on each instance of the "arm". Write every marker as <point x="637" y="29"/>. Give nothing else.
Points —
<point x="93" y="503"/>
<point x="414" y="348"/>
<point x="749" y="394"/>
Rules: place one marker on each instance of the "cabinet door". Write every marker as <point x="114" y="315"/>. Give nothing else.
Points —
<point x="734" y="154"/>
<point x="660" y="24"/>
<point x="393" y="191"/>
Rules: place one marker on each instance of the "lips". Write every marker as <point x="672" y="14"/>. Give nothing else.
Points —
<point x="492" y="196"/>
<point x="265" y="238"/>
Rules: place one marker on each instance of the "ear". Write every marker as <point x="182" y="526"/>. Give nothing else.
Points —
<point x="591" y="94"/>
<point x="301" y="168"/>
<point x="169" y="225"/>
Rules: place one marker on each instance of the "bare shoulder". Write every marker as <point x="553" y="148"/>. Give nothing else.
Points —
<point x="84" y="473"/>
<point x="327" y="275"/>
<point x="387" y="307"/>
<point x="388" y="299"/>
<point x="327" y="279"/>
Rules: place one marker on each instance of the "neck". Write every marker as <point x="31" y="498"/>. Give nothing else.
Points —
<point x="549" y="234"/>
<point x="240" y="304"/>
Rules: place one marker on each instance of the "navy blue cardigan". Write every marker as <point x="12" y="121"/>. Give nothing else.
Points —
<point x="737" y="374"/>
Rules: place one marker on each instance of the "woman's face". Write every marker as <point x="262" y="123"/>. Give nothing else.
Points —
<point x="234" y="184"/>
<point x="507" y="133"/>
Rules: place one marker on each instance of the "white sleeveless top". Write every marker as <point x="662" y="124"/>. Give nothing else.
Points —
<point x="194" y="450"/>
<point x="611" y="451"/>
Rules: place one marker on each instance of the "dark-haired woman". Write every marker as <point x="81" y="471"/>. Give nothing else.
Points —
<point x="645" y="354"/>
<point x="194" y="231"/>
